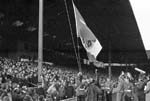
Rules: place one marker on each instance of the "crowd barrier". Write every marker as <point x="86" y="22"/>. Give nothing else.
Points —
<point x="48" y="63"/>
<point x="70" y="99"/>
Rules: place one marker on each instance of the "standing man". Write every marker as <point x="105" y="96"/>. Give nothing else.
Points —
<point x="93" y="91"/>
<point x="80" y="88"/>
<point x="147" y="91"/>
<point x="108" y="84"/>
<point x="140" y="87"/>
<point x="119" y="90"/>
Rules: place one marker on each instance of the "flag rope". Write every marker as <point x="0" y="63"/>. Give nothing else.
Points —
<point x="79" y="63"/>
<point x="78" y="46"/>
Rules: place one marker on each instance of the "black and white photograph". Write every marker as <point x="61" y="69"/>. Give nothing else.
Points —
<point x="74" y="50"/>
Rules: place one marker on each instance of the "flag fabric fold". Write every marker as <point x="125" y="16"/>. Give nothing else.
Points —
<point x="88" y="39"/>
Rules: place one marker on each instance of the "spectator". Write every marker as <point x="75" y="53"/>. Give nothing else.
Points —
<point x="69" y="90"/>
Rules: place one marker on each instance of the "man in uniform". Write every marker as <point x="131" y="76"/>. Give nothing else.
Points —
<point x="147" y="90"/>
<point x="119" y="90"/>
<point x="128" y="86"/>
<point x="93" y="91"/>
<point x="140" y="87"/>
<point x="80" y="87"/>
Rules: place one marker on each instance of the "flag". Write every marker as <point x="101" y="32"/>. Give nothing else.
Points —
<point x="88" y="39"/>
<point x="91" y="57"/>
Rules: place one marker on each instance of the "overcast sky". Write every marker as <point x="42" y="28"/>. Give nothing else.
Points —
<point x="141" y="9"/>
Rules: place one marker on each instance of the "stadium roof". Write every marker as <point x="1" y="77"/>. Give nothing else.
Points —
<point x="110" y="20"/>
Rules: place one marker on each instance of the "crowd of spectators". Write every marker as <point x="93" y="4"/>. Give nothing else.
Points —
<point x="19" y="81"/>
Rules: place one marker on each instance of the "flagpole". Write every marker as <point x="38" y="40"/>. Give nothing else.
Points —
<point x="76" y="54"/>
<point x="109" y="59"/>
<point x="40" y="40"/>
<point x="78" y="46"/>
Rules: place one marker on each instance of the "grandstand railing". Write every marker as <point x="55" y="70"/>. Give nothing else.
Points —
<point x="70" y="99"/>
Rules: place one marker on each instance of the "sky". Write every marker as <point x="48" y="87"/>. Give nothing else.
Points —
<point x="141" y="10"/>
